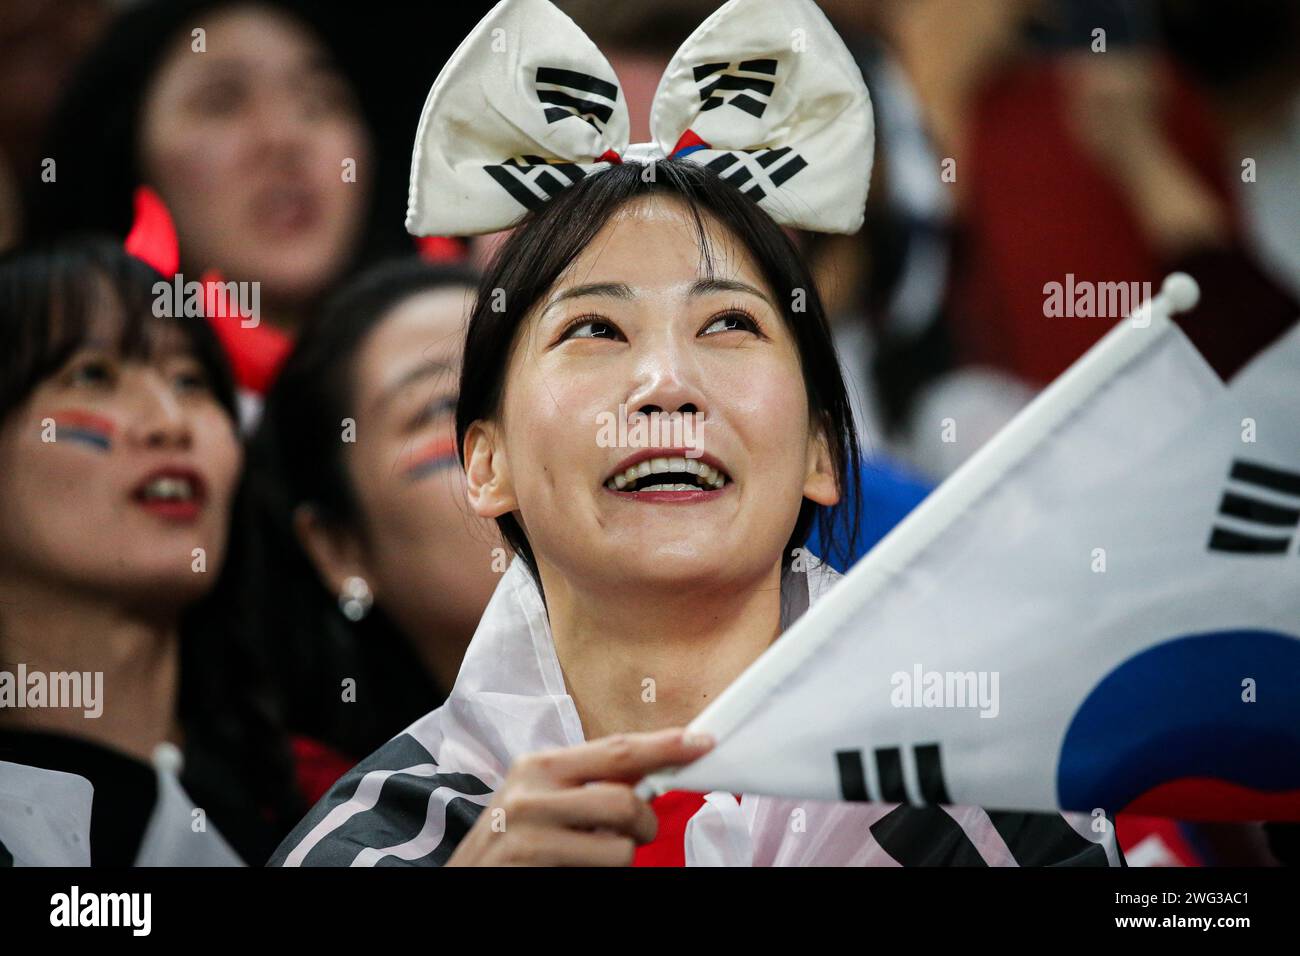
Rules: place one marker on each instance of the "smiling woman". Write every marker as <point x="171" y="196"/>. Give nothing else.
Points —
<point x="644" y="294"/>
<point x="626" y="613"/>
<point x="657" y="282"/>
<point x="664" y="297"/>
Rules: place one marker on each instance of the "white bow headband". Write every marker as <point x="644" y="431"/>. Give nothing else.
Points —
<point x="764" y="92"/>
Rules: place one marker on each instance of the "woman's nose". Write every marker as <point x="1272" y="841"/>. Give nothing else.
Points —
<point x="687" y="409"/>
<point x="160" y="421"/>
<point x="282" y="129"/>
<point x="666" y="382"/>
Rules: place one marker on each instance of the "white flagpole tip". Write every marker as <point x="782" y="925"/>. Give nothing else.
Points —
<point x="1181" y="292"/>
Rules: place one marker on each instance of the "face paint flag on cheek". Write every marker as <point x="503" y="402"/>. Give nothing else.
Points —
<point x="430" y="458"/>
<point x="763" y="92"/>
<point x="86" y="428"/>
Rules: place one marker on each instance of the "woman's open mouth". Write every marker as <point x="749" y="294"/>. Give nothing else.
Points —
<point x="666" y="477"/>
<point x="173" y="493"/>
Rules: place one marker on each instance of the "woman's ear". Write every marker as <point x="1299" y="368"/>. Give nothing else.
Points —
<point x="487" y="472"/>
<point x="335" y="554"/>
<point x="820" y="482"/>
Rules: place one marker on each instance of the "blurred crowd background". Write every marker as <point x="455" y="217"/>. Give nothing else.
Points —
<point x="1012" y="151"/>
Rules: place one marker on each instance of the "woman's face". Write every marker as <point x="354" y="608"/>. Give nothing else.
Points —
<point x="114" y="471"/>
<point x="637" y="321"/>
<point x="246" y="142"/>
<point x="427" y="558"/>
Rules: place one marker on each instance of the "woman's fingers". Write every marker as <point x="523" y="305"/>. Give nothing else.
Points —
<point x="618" y="757"/>
<point x="597" y="806"/>
<point x="575" y="806"/>
<point x="545" y="847"/>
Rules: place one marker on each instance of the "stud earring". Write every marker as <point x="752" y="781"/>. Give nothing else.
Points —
<point x="355" y="600"/>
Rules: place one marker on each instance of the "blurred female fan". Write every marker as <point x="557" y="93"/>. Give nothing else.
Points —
<point x="120" y="517"/>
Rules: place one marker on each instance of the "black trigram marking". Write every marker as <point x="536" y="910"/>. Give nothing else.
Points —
<point x="1046" y="839"/>
<point x="928" y="836"/>
<point x="925" y="836"/>
<point x="531" y="180"/>
<point x="566" y="93"/>
<point x="747" y="86"/>
<point x="1262" y="526"/>
<point x="750" y="170"/>
<point x="889" y="775"/>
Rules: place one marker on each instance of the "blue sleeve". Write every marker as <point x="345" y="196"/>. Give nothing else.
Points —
<point x="886" y="492"/>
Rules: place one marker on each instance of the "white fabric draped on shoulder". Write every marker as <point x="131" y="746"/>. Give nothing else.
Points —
<point x="412" y="801"/>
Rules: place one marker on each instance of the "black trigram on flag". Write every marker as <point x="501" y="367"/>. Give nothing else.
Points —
<point x="854" y="783"/>
<point x="750" y="170"/>
<point x="1260" y="513"/>
<point x="746" y="86"/>
<point x="531" y="180"/>
<point x="566" y="93"/>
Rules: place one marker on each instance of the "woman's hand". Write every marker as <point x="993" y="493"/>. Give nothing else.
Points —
<point x="575" y="806"/>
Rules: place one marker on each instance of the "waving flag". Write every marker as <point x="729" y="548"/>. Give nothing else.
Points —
<point x="1099" y="612"/>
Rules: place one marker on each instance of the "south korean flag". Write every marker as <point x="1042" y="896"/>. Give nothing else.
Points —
<point x="1099" y="612"/>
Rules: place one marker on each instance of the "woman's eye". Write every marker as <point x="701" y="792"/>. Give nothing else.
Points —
<point x="192" y="380"/>
<point x="94" y="372"/>
<point x="220" y="98"/>
<point x="731" y="321"/>
<point x="592" y="329"/>
<point x="444" y="405"/>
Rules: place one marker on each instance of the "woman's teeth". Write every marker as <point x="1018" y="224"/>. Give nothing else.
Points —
<point x="680" y="474"/>
<point x="168" y="489"/>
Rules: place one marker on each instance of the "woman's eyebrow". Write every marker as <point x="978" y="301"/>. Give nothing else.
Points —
<point x="620" y="290"/>
<point x="706" y="286"/>
<point x="309" y="67"/>
<point x="428" y="369"/>
<point x="615" y="290"/>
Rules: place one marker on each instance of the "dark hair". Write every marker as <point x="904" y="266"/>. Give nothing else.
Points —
<point x="51" y="293"/>
<point x="314" y="390"/>
<point x="94" y="134"/>
<point x="296" y="458"/>
<point x="50" y="297"/>
<point x="531" y="260"/>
